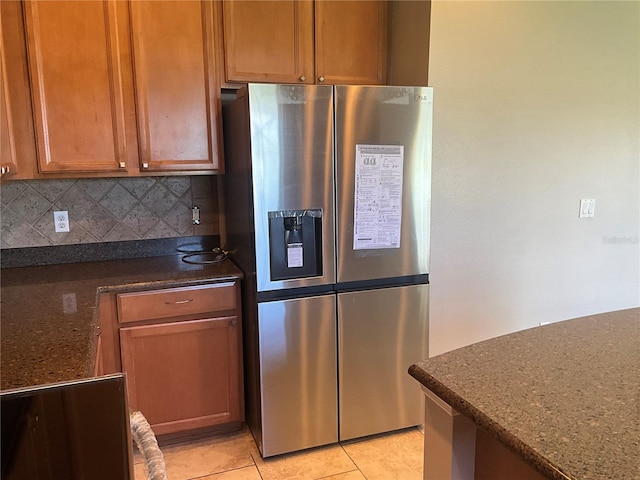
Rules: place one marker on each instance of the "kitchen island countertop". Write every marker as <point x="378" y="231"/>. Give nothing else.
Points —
<point x="49" y="323"/>
<point x="564" y="397"/>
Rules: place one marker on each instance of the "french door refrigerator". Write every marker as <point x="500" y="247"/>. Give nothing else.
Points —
<point x="327" y="212"/>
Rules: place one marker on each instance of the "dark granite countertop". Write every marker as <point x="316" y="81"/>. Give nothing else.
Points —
<point x="564" y="397"/>
<point x="48" y="320"/>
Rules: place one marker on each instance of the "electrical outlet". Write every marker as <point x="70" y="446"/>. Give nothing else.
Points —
<point x="61" y="221"/>
<point x="195" y="215"/>
<point x="69" y="303"/>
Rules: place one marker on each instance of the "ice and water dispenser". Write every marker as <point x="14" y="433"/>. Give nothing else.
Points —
<point x="295" y="244"/>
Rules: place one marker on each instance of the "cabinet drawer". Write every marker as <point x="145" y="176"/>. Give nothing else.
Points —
<point x="176" y="302"/>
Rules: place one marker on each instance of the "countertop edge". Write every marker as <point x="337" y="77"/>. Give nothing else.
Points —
<point x="137" y="286"/>
<point x="482" y="421"/>
<point x="93" y="341"/>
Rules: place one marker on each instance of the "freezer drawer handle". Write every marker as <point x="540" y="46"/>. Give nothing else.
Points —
<point x="179" y="302"/>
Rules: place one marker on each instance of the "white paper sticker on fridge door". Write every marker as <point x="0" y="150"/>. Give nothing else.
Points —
<point x="378" y="196"/>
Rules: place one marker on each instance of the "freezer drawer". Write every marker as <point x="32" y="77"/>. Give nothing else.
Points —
<point x="298" y="364"/>
<point x="381" y="332"/>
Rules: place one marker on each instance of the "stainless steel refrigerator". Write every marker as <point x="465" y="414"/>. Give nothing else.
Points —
<point x="327" y="212"/>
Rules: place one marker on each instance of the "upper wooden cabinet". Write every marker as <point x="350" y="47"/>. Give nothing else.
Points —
<point x="124" y="88"/>
<point x="177" y="94"/>
<point x="303" y="41"/>
<point x="269" y="41"/>
<point x="17" y="145"/>
<point x="8" y="158"/>
<point x="77" y="82"/>
<point x="351" y="42"/>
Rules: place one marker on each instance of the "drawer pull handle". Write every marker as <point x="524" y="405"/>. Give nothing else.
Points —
<point x="179" y="302"/>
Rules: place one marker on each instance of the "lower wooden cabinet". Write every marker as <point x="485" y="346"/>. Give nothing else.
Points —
<point x="181" y="349"/>
<point x="183" y="375"/>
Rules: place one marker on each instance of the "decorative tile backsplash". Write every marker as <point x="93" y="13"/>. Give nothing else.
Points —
<point x="105" y="210"/>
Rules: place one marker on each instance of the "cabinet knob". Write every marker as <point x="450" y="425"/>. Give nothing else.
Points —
<point x="145" y="165"/>
<point x="233" y="322"/>
<point x="321" y="79"/>
<point x="4" y="170"/>
<point x="122" y="165"/>
<point x="302" y="78"/>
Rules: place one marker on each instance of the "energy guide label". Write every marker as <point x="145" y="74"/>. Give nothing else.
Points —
<point x="378" y="196"/>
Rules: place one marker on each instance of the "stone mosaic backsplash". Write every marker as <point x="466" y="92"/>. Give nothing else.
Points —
<point x="104" y="209"/>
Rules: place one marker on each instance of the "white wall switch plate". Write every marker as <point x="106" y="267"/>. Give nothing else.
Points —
<point x="61" y="221"/>
<point x="587" y="207"/>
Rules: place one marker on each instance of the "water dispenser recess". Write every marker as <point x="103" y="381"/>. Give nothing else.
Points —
<point x="295" y="244"/>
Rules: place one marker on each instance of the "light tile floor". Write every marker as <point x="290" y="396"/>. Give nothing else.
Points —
<point x="235" y="456"/>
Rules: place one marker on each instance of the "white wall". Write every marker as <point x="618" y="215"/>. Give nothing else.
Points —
<point x="536" y="105"/>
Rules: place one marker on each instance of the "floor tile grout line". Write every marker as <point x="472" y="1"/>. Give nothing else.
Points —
<point x="352" y="460"/>
<point x="341" y="473"/>
<point x="255" y="463"/>
<point x="223" y="472"/>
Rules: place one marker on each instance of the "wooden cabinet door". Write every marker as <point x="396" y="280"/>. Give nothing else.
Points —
<point x="184" y="375"/>
<point x="8" y="157"/>
<point x="177" y="93"/>
<point x="351" y="42"/>
<point x="17" y="144"/>
<point x="268" y="41"/>
<point x="77" y="84"/>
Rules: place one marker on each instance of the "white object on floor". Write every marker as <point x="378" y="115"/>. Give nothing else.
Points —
<point x="148" y="445"/>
